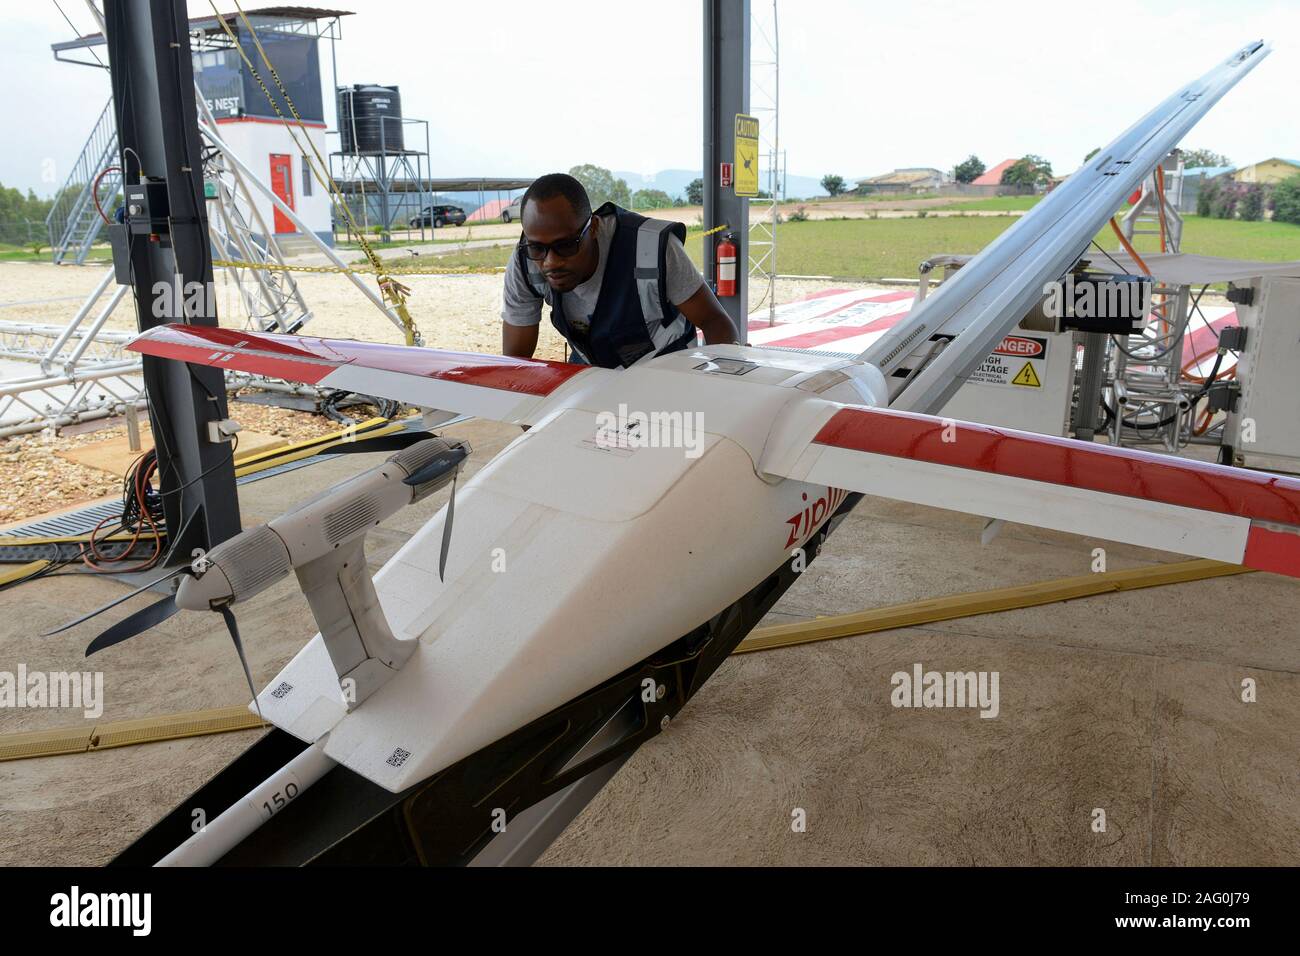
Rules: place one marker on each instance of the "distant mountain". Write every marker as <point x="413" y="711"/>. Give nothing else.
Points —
<point x="675" y="181"/>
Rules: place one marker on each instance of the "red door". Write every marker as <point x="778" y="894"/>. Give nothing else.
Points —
<point x="282" y="186"/>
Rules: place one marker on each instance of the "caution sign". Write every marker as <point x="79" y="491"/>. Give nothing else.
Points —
<point x="746" y="168"/>
<point x="1027" y="376"/>
<point x="1018" y="361"/>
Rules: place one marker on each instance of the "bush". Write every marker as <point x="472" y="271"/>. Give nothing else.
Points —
<point x="1252" y="202"/>
<point x="1286" y="200"/>
<point x="799" y="215"/>
<point x="1224" y="204"/>
<point x="1205" y="199"/>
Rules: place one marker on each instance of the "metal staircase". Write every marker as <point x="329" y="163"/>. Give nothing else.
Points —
<point x="74" y="222"/>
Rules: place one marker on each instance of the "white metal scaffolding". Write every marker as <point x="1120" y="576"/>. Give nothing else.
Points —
<point x="765" y="99"/>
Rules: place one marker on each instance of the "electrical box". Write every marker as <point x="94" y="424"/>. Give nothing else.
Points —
<point x="146" y="208"/>
<point x="1027" y="382"/>
<point x="1264" y="430"/>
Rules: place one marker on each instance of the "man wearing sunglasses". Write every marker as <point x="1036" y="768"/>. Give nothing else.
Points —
<point x="620" y="285"/>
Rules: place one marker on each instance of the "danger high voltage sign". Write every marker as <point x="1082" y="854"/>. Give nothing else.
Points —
<point x="1019" y="360"/>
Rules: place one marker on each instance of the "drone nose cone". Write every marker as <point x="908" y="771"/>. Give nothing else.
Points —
<point x="206" y="588"/>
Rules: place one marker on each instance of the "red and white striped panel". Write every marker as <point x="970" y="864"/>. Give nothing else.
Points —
<point x="838" y="320"/>
<point x="490" y="386"/>
<point x="1156" y="501"/>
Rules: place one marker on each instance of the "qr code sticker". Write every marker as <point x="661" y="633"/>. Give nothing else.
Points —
<point x="280" y="692"/>
<point x="398" y="758"/>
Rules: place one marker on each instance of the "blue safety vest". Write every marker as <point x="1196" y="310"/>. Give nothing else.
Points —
<point x="633" y="317"/>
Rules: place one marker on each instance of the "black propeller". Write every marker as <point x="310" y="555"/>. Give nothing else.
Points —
<point x="154" y="614"/>
<point x="233" y="628"/>
<point x="446" y="531"/>
<point x="111" y="604"/>
<point x="134" y="624"/>
<point x="437" y="466"/>
<point x="395" y="441"/>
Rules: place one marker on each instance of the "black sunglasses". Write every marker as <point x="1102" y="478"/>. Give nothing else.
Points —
<point x="537" y="251"/>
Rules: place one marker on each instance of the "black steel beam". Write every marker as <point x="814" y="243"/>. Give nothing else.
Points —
<point x="157" y="129"/>
<point x="726" y="93"/>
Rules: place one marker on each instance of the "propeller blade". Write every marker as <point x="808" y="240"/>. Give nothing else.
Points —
<point x="392" y="442"/>
<point x="233" y="628"/>
<point x="136" y="623"/>
<point x="446" y="531"/>
<point x="111" y="604"/>
<point x="438" y="465"/>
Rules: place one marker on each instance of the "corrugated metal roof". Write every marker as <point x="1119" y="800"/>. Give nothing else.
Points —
<point x="1209" y="172"/>
<point x="902" y="177"/>
<point x="209" y="22"/>
<point x="489" y="210"/>
<point x="465" y="185"/>
<point x="993" y="177"/>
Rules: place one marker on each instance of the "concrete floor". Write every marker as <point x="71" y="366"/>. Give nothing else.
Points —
<point x="1129" y="703"/>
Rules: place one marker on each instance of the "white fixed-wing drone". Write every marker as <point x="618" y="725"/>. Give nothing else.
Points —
<point x="629" y="564"/>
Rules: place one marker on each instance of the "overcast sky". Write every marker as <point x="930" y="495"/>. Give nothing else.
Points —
<point x="522" y="88"/>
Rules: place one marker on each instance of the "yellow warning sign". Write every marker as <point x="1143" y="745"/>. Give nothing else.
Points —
<point x="746" y="169"/>
<point x="1027" y="376"/>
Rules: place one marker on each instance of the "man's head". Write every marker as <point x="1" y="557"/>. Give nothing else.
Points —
<point x="555" y="212"/>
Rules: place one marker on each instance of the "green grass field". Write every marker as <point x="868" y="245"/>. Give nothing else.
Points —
<point x="9" y="253"/>
<point x="894" y="248"/>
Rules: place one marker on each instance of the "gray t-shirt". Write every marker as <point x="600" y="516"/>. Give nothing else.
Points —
<point x="520" y="306"/>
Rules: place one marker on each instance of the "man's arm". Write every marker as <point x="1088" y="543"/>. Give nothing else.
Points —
<point x="700" y="306"/>
<point x="519" y="341"/>
<point x="521" y="311"/>
<point x="705" y="312"/>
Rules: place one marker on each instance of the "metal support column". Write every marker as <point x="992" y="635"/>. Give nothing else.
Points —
<point x="726" y="93"/>
<point x="157" y="131"/>
<point x="1091" y="379"/>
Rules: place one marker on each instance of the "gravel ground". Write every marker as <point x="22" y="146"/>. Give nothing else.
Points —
<point x="36" y="480"/>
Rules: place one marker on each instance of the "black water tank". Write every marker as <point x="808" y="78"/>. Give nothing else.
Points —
<point x="370" y="119"/>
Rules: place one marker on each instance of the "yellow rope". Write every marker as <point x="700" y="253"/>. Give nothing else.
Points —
<point x="398" y="271"/>
<point x="394" y="292"/>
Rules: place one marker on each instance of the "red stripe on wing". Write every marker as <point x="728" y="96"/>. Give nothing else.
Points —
<point x="256" y="351"/>
<point x="1276" y="550"/>
<point x="1063" y="461"/>
<point x="223" y="352"/>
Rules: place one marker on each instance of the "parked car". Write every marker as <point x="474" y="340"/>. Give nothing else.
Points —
<point x="438" y="216"/>
<point x="512" y="212"/>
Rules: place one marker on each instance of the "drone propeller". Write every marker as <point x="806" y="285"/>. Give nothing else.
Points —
<point x="134" y="624"/>
<point x="111" y="604"/>
<point x="446" y="531"/>
<point x="395" y="441"/>
<point x="233" y="628"/>
<point x="450" y="459"/>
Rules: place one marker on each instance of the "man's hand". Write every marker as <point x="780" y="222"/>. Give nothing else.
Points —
<point x="518" y="341"/>
<point x="705" y="312"/>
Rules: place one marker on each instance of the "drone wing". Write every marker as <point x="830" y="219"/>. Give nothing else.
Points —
<point x="488" y="386"/>
<point x="1156" y="501"/>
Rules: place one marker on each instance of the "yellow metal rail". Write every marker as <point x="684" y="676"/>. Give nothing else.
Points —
<point x="46" y="743"/>
<point x="983" y="602"/>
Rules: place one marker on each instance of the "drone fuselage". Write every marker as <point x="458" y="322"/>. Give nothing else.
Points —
<point x="618" y="523"/>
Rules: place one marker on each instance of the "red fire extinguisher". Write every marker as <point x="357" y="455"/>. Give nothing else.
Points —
<point x="727" y="264"/>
